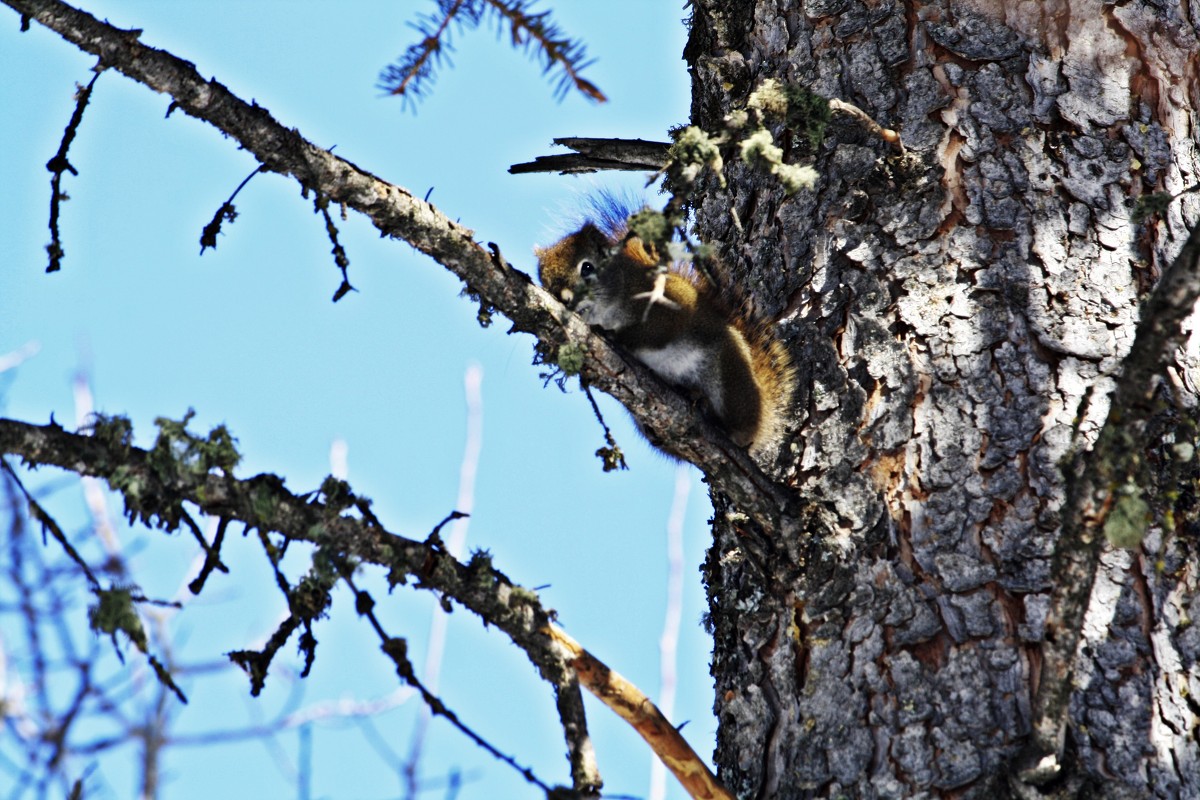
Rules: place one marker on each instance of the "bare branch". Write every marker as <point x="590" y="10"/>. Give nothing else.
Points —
<point x="59" y="164"/>
<point x="591" y="155"/>
<point x="632" y="705"/>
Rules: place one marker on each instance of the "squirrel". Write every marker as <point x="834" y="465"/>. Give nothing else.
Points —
<point x="676" y="323"/>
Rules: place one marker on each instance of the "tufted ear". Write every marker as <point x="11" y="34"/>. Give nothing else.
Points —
<point x="636" y="250"/>
<point x="592" y="238"/>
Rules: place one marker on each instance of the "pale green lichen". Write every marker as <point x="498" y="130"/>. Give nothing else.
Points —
<point x="1128" y="520"/>
<point x="521" y="594"/>
<point x="794" y="177"/>
<point x="651" y="227"/>
<point x="769" y="99"/>
<point x="176" y="451"/>
<point x="570" y="358"/>
<point x="693" y="151"/>
<point x="737" y="119"/>
<point x="115" y="432"/>
<point x="760" y="146"/>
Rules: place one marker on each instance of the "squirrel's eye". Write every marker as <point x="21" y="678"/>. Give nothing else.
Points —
<point x="586" y="269"/>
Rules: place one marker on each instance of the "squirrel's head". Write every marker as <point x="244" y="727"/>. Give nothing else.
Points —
<point x="569" y="268"/>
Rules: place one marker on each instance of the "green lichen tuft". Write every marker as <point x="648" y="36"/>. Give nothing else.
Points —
<point x="737" y="119"/>
<point x="1128" y="520"/>
<point x="611" y="458"/>
<point x="769" y="100"/>
<point x="115" y="433"/>
<point x="652" y="227"/>
<point x="694" y="150"/>
<point x="760" y="146"/>
<point x="264" y="502"/>
<point x="807" y="115"/>
<point x="520" y="593"/>
<point x="480" y="561"/>
<point x="179" y="453"/>
<point x="793" y="177"/>
<point x="484" y="316"/>
<point x="337" y="494"/>
<point x="759" y="149"/>
<point x="570" y="358"/>
<point x="113" y="612"/>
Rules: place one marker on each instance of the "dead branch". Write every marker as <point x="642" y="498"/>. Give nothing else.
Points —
<point x="632" y="705"/>
<point x="592" y="155"/>
<point x="59" y="164"/>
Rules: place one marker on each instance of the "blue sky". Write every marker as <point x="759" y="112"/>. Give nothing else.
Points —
<point x="247" y="336"/>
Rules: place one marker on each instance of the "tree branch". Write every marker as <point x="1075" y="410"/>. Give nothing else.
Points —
<point x="664" y="415"/>
<point x="591" y="155"/>
<point x="1098" y="481"/>
<point x="263" y="503"/>
<point x="632" y="705"/>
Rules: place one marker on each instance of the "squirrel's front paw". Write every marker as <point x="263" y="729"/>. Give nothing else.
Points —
<point x="657" y="295"/>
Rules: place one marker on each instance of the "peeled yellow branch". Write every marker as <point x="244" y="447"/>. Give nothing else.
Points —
<point x="635" y="708"/>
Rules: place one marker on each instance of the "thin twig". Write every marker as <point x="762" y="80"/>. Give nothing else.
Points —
<point x="611" y="456"/>
<point x="227" y="211"/>
<point x="51" y="526"/>
<point x="59" y="164"/>
<point x="340" y="259"/>
<point x="397" y="650"/>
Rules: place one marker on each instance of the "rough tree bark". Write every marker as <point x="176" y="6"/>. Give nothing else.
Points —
<point x="958" y="324"/>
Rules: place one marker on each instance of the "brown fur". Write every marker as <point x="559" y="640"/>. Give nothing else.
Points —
<point x="740" y="367"/>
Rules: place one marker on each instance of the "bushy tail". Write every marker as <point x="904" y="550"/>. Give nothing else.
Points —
<point x="776" y="375"/>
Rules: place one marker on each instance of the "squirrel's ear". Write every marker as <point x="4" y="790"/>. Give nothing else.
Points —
<point x="590" y="233"/>
<point x="592" y="237"/>
<point x="636" y="250"/>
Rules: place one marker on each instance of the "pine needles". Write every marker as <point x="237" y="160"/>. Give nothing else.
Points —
<point x="535" y="32"/>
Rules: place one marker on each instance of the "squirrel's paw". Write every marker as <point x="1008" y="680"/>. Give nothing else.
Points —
<point x="656" y="296"/>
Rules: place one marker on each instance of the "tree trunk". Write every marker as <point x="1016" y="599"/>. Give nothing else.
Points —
<point x="958" y="317"/>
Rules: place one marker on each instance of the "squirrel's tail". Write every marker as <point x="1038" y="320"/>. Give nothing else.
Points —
<point x="776" y="376"/>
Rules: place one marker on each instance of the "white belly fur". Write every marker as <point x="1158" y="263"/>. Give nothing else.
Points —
<point x="686" y="364"/>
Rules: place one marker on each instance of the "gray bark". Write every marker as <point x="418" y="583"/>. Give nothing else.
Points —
<point x="959" y="321"/>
